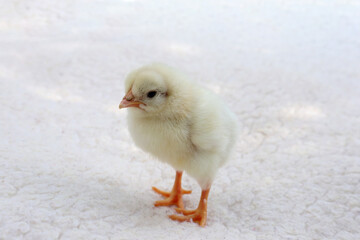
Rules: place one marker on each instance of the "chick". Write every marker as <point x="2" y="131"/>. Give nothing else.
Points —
<point x="181" y="124"/>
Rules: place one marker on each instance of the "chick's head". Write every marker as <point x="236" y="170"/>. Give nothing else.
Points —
<point x="157" y="89"/>
<point x="146" y="91"/>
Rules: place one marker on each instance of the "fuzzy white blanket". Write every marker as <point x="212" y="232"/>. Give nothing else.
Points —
<point x="289" y="70"/>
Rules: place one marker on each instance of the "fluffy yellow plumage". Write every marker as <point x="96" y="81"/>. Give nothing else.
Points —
<point x="182" y="124"/>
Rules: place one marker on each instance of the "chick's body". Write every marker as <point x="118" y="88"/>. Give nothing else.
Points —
<point x="191" y="129"/>
<point x="198" y="140"/>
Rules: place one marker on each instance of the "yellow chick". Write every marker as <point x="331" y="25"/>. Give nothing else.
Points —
<point x="182" y="124"/>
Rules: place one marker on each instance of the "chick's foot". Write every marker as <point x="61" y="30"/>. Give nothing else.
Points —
<point x="198" y="215"/>
<point x="171" y="198"/>
<point x="175" y="196"/>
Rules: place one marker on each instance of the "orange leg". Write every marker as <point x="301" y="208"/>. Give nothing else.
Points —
<point x="198" y="215"/>
<point x="175" y="196"/>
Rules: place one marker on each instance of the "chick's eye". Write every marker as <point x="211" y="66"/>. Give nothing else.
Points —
<point x="151" y="94"/>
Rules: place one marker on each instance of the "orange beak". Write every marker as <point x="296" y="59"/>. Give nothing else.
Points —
<point x="130" y="101"/>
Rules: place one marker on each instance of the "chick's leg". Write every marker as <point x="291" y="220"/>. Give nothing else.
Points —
<point x="175" y="196"/>
<point x="198" y="215"/>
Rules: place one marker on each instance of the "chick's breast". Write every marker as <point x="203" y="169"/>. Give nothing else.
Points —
<point x="167" y="140"/>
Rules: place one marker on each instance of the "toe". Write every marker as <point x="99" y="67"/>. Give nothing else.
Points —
<point x="165" y="194"/>
<point x="169" y="202"/>
<point x="183" y="191"/>
<point x="179" y="218"/>
<point x="165" y="202"/>
<point x="185" y="212"/>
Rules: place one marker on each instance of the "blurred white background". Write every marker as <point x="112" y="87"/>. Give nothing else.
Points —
<point x="289" y="70"/>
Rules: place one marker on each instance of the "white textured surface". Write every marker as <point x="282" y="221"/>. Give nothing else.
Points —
<point x="290" y="70"/>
